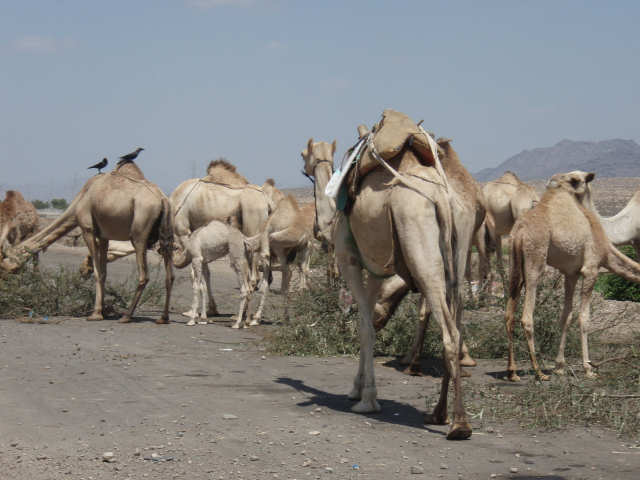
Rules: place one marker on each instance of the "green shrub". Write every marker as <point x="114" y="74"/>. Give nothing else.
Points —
<point x="614" y="287"/>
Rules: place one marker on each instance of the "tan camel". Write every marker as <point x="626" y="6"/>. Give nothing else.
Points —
<point x="318" y="165"/>
<point x="222" y="195"/>
<point x="562" y="231"/>
<point x="468" y="214"/>
<point x="18" y="219"/>
<point x="400" y="223"/>
<point x="507" y="198"/>
<point x="290" y="236"/>
<point x="624" y="227"/>
<point x="120" y="205"/>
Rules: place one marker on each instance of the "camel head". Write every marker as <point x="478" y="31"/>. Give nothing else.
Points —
<point x="576" y="183"/>
<point x="316" y="153"/>
<point x="275" y="195"/>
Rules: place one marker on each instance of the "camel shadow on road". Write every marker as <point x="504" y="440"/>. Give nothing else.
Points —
<point x="392" y="412"/>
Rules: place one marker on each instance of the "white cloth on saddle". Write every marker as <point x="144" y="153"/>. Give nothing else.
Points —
<point x="337" y="179"/>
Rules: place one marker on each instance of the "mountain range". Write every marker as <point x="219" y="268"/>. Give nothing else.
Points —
<point x="608" y="158"/>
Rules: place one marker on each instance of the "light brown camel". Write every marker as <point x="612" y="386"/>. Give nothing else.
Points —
<point x="222" y="195"/>
<point x="290" y="236"/>
<point x="120" y="205"/>
<point x="562" y="231"/>
<point x="318" y="166"/>
<point x="507" y="198"/>
<point x="400" y="222"/>
<point x="624" y="227"/>
<point x="18" y="219"/>
<point x="468" y="214"/>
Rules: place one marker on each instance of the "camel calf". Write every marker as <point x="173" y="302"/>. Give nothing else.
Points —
<point x="213" y="241"/>
<point x="562" y="231"/>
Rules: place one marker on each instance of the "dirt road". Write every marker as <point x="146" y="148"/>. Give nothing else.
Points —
<point x="206" y="402"/>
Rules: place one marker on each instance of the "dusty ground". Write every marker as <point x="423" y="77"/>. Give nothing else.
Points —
<point x="206" y="402"/>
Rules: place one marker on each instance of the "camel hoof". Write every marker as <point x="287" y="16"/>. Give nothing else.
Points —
<point x="542" y="377"/>
<point x="513" y="377"/>
<point x="370" y="406"/>
<point x="94" y="317"/>
<point x="559" y="371"/>
<point x="237" y="326"/>
<point x="125" y="319"/>
<point x="434" y="419"/>
<point x="189" y="313"/>
<point x="591" y="374"/>
<point x="213" y="313"/>
<point x="467" y="361"/>
<point x="191" y="322"/>
<point x="254" y="322"/>
<point x="162" y="321"/>
<point x="459" y="431"/>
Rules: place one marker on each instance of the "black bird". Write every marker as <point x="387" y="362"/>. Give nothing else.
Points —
<point x="129" y="157"/>
<point x="100" y="165"/>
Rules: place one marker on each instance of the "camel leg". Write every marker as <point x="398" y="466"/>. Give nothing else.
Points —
<point x="427" y="270"/>
<point x="392" y="291"/>
<point x="92" y="245"/>
<point x="515" y="289"/>
<point x="500" y="263"/>
<point x="263" y="287"/>
<point x="143" y="277"/>
<point x="483" y="261"/>
<point x="286" y="280"/>
<point x="412" y="358"/>
<point x="167" y="258"/>
<point x="244" y="305"/>
<point x="590" y="275"/>
<point x="305" y="270"/>
<point x="198" y="293"/>
<point x="565" y="320"/>
<point x="532" y="276"/>
<point x="192" y="312"/>
<point x="364" y="385"/>
<point x="212" y="309"/>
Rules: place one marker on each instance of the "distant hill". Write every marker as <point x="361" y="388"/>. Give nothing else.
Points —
<point x="609" y="158"/>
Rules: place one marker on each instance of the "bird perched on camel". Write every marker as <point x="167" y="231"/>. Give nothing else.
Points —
<point x="100" y="165"/>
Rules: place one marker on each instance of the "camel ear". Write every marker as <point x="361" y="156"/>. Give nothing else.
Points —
<point x="362" y="130"/>
<point x="310" y="146"/>
<point x="590" y="176"/>
<point x="333" y="147"/>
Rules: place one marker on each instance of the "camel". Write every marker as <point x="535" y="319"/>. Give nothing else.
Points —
<point x="221" y="195"/>
<point x="213" y="241"/>
<point x="624" y="227"/>
<point x="562" y="231"/>
<point x="400" y="222"/>
<point x="507" y="198"/>
<point x="468" y="214"/>
<point x="318" y="166"/>
<point x="18" y="219"/>
<point x="120" y="205"/>
<point x="290" y="234"/>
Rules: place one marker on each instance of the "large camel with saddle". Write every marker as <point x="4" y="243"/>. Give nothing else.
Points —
<point x="223" y="195"/>
<point x="399" y="222"/>
<point x="18" y="219"/>
<point x="563" y="231"/>
<point x="120" y="205"/>
<point x="468" y="210"/>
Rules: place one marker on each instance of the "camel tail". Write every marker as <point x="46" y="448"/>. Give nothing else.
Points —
<point x="165" y="230"/>
<point x="622" y="265"/>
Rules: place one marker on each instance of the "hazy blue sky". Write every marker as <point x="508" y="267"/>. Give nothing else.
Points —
<point x="252" y="80"/>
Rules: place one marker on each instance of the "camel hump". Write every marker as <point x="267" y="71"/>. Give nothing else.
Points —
<point x="130" y="169"/>
<point x="221" y="171"/>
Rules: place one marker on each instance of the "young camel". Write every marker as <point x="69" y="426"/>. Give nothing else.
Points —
<point x="18" y="219"/>
<point x="214" y="241"/>
<point x="562" y="231"/>
<point x="507" y="198"/>
<point x="221" y="195"/>
<point x="318" y="166"/>
<point x="401" y="223"/>
<point x="120" y="205"/>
